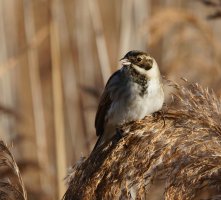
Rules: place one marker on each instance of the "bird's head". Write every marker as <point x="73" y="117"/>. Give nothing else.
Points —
<point x="141" y="61"/>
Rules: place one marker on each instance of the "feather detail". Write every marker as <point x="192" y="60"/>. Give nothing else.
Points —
<point x="103" y="107"/>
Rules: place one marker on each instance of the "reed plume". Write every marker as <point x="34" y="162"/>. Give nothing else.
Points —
<point x="10" y="189"/>
<point x="179" y="149"/>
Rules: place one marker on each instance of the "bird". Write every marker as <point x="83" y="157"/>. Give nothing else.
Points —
<point x="131" y="93"/>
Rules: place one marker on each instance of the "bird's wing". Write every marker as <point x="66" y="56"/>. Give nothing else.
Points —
<point x="104" y="105"/>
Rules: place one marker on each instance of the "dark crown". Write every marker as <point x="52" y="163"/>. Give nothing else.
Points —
<point x="134" y="53"/>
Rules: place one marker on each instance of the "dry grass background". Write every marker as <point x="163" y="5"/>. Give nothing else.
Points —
<point x="55" y="57"/>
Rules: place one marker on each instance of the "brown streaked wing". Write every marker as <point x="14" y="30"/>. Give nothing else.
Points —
<point x="103" y="107"/>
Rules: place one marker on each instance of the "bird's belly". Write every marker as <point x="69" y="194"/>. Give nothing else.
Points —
<point x="135" y="107"/>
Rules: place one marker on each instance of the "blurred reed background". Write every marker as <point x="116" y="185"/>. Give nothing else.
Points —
<point x="56" y="56"/>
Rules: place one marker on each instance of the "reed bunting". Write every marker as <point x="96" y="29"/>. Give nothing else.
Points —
<point x="130" y="94"/>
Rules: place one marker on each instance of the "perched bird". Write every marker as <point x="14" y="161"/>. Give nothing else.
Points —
<point x="130" y="94"/>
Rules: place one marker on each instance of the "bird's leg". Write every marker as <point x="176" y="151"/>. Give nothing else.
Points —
<point x="117" y="136"/>
<point x="161" y="114"/>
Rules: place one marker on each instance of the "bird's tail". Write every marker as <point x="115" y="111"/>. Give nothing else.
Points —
<point x="103" y="138"/>
<point x="97" y="144"/>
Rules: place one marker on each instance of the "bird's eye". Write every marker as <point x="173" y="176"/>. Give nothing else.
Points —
<point x="139" y="59"/>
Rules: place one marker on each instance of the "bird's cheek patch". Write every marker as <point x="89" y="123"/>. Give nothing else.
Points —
<point x="148" y="65"/>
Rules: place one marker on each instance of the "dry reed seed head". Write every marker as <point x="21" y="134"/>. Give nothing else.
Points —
<point x="8" y="189"/>
<point x="184" y="154"/>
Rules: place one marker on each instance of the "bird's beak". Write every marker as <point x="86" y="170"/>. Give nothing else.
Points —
<point x="125" y="61"/>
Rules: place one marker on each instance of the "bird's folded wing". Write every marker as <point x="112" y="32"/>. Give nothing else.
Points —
<point x="104" y="105"/>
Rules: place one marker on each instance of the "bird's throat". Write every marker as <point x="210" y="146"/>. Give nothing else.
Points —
<point x="140" y="79"/>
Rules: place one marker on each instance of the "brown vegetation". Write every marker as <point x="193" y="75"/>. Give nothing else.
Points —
<point x="10" y="188"/>
<point x="182" y="154"/>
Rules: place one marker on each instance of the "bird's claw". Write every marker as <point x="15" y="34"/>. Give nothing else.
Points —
<point x="119" y="134"/>
<point x="160" y="114"/>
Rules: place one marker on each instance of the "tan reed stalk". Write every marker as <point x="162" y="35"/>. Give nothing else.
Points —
<point x="73" y="93"/>
<point x="100" y="39"/>
<point x="86" y="68"/>
<point x="58" y="100"/>
<point x="36" y="90"/>
<point x="5" y="81"/>
<point x="125" y="28"/>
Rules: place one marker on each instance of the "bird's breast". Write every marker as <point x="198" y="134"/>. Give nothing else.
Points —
<point x="135" y="100"/>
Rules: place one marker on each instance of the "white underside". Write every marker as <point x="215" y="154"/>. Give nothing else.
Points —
<point x="136" y="107"/>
